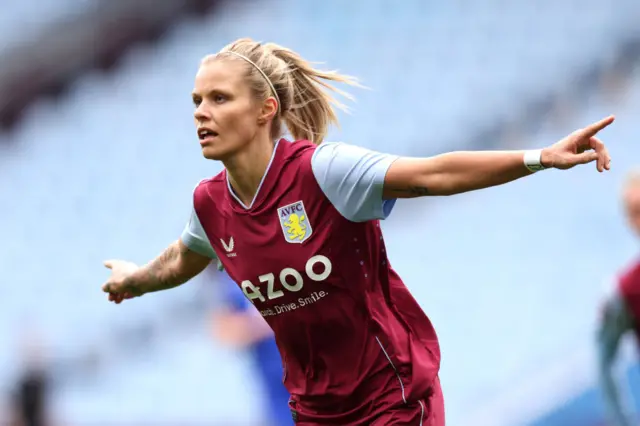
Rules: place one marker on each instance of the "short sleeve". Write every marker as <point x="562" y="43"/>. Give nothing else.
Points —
<point x="196" y="239"/>
<point x="352" y="178"/>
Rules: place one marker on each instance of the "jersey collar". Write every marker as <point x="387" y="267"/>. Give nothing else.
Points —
<point x="266" y="172"/>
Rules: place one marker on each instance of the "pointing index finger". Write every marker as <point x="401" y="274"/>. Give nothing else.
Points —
<point x="594" y="128"/>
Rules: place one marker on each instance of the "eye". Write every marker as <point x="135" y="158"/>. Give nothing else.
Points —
<point x="197" y="101"/>
<point x="219" y="99"/>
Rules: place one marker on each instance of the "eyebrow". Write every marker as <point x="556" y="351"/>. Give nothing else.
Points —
<point x="212" y="92"/>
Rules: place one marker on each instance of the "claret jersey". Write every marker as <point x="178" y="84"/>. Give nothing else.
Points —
<point x="309" y="254"/>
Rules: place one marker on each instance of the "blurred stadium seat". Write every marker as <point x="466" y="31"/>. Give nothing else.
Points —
<point x="92" y="175"/>
<point x="25" y="20"/>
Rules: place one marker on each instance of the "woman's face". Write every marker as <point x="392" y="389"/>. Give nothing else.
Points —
<point x="227" y="116"/>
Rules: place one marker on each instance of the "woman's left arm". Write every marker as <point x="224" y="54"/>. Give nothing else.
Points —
<point x="458" y="172"/>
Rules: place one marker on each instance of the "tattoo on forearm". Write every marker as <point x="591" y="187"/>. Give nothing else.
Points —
<point x="160" y="270"/>
<point x="160" y="274"/>
<point x="417" y="191"/>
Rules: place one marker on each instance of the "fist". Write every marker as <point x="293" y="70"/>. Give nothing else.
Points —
<point x="119" y="285"/>
<point x="580" y="147"/>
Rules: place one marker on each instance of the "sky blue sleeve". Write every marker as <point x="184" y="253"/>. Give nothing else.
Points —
<point x="352" y="179"/>
<point x="194" y="237"/>
<point x="616" y="320"/>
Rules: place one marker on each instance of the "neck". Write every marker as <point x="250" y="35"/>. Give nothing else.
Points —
<point x="246" y="169"/>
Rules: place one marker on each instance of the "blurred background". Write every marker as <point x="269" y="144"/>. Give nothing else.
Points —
<point x="98" y="160"/>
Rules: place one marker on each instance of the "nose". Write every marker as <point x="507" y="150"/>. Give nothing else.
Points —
<point x="201" y="114"/>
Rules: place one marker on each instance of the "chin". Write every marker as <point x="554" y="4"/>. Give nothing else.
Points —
<point x="211" y="153"/>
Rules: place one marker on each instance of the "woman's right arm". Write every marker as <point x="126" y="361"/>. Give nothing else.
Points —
<point x="177" y="264"/>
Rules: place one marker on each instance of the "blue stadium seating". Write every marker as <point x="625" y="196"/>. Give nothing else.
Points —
<point x="25" y="20"/>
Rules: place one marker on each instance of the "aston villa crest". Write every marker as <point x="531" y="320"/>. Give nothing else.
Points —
<point x="294" y="223"/>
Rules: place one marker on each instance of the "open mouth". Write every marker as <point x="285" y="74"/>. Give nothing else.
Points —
<point x="205" y="133"/>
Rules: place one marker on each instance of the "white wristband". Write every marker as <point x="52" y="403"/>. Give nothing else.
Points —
<point x="532" y="160"/>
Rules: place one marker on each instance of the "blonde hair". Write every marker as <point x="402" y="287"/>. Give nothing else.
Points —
<point x="306" y="104"/>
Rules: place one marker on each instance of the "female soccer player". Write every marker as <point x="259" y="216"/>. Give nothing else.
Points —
<point x="296" y="225"/>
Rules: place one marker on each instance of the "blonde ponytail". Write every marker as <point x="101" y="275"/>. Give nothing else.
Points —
<point x="305" y="95"/>
<point x="311" y="110"/>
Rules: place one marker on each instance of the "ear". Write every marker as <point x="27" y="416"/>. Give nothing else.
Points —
<point x="268" y="111"/>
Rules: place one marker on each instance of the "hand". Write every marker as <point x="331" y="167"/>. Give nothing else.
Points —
<point x="580" y="147"/>
<point x="117" y="285"/>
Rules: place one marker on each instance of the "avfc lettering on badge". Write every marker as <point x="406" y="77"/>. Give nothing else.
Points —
<point x="295" y="222"/>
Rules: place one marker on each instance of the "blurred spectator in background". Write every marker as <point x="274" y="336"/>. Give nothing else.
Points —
<point x="41" y="375"/>
<point x="30" y="396"/>
<point x="29" y="405"/>
<point x="238" y="324"/>
<point x="621" y="312"/>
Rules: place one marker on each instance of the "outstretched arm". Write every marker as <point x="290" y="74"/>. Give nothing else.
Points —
<point x="458" y="172"/>
<point x="616" y="320"/>
<point x="176" y="265"/>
